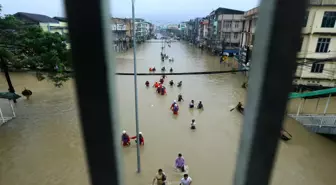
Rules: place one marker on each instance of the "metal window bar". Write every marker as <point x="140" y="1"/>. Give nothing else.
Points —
<point x="271" y="75"/>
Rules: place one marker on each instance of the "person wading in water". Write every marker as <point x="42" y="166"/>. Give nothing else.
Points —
<point x="160" y="178"/>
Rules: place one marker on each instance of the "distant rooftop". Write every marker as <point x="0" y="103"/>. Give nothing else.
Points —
<point x="62" y="19"/>
<point x="227" y="11"/>
<point x="36" y="17"/>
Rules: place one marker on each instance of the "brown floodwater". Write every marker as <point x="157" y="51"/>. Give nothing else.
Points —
<point x="43" y="145"/>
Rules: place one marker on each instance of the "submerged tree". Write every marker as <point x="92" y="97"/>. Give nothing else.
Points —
<point x="29" y="47"/>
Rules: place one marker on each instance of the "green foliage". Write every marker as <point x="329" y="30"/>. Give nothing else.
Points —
<point x="29" y="47"/>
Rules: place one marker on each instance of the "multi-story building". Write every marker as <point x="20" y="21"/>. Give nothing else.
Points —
<point x="318" y="43"/>
<point x="204" y="23"/>
<point x="317" y="55"/>
<point x="140" y="29"/>
<point x="182" y="26"/>
<point x="249" y="26"/>
<point x="147" y="31"/>
<point x="215" y="25"/>
<point x="230" y="28"/>
<point x="118" y="27"/>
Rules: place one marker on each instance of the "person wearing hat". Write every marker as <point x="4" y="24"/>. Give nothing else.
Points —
<point x="142" y="140"/>
<point x="173" y="104"/>
<point x="175" y="109"/>
<point x="125" y="139"/>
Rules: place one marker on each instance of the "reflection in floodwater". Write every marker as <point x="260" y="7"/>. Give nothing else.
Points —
<point x="43" y="146"/>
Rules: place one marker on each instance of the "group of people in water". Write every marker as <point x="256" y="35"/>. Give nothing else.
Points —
<point x="163" y="69"/>
<point x="199" y="105"/>
<point x="126" y="139"/>
<point x="161" y="178"/>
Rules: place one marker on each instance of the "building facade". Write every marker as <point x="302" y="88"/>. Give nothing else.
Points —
<point x="230" y="28"/>
<point x="250" y="18"/>
<point x="220" y="28"/>
<point x="317" y="54"/>
<point x="118" y="29"/>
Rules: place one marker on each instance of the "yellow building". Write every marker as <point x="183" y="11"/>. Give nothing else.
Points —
<point x="317" y="54"/>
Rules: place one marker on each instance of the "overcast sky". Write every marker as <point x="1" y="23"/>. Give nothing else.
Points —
<point x="155" y="11"/>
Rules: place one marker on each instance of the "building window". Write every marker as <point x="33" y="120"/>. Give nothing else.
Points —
<point x="235" y="35"/>
<point x="317" y="68"/>
<point x="322" y="45"/>
<point x="328" y="20"/>
<point x="305" y="19"/>
<point x="236" y="24"/>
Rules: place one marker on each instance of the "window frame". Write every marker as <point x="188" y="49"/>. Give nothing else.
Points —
<point x="306" y="18"/>
<point x="327" y="20"/>
<point x="322" y="45"/>
<point x="260" y="132"/>
<point x="317" y="68"/>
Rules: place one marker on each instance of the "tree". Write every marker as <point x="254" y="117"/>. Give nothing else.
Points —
<point x="29" y="47"/>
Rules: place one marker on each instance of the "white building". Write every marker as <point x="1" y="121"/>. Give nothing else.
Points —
<point x="249" y="26"/>
<point x="318" y="42"/>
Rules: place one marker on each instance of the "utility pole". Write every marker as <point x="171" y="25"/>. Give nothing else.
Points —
<point x="136" y="93"/>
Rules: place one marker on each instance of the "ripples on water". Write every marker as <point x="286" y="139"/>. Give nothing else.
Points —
<point x="43" y="145"/>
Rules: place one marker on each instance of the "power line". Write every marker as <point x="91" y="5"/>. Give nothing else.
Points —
<point x="184" y="73"/>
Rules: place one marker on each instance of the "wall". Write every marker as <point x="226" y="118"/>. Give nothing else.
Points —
<point x="311" y="33"/>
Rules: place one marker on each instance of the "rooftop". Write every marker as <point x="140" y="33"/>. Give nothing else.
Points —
<point x="36" y="17"/>
<point x="62" y="19"/>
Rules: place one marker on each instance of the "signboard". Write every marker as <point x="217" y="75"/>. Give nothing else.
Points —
<point x="118" y="27"/>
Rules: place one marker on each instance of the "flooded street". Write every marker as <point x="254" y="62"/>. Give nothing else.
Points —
<point x="43" y="145"/>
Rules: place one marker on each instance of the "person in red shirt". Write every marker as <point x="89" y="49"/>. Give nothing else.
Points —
<point x="156" y="84"/>
<point x="142" y="140"/>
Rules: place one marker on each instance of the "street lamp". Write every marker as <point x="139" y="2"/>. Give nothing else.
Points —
<point x="136" y="92"/>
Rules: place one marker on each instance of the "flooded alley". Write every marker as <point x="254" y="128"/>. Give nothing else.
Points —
<point x="43" y="145"/>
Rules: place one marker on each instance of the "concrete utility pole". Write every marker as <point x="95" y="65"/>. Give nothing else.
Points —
<point x="136" y="92"/>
